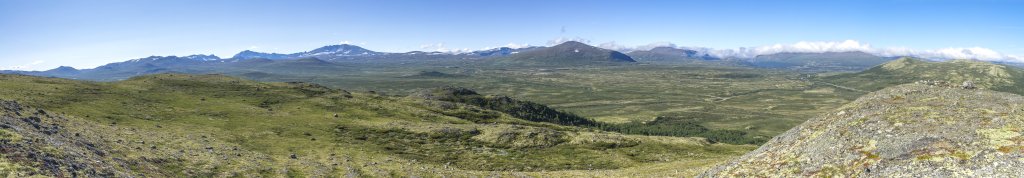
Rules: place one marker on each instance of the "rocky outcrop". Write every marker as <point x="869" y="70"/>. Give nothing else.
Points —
<point x="911" y="130"/>
<point x="33" y="142"/>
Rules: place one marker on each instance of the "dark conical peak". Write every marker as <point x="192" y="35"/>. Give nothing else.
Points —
<point x="577" y="47"/>
<point x="245" y="53"/>
<point x="338" y="48"/>
<point x="63" y="69"/>
<point x="573" y="44"/>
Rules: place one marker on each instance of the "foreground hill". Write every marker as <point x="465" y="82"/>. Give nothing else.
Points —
<point x="570" y="53"/>
<point x="175" y="125"/>
<point x="912" y="130"/>
<point x="909" y="70"/>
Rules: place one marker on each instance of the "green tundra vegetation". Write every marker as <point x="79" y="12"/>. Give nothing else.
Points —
<point x="285" y="118"/>
<point x="180" y="125"/>
<point x="761" y="102"/>
<point x="982" y="74"/>
<point x="662" y="126"/>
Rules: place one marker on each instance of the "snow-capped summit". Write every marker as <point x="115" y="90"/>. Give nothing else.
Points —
<point x="200" y="57"/>
<point x="326" y="51"/>
<point x="340" y="50"/>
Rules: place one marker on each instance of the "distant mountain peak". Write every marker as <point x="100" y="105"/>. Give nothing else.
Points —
<point x="568" y="53"/>
<point x="249" y="54"/>
<point x="340" y="50"/>
<point x="64" y="68"/>
<point x="574" y="44"/>
<point x="827" y="61"/>
<point x="502" y="51"/>
<point x="329" y="50"/>
<point x="200" y="57"/>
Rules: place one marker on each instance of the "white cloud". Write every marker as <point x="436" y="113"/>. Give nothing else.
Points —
<point x="799" y="47"/>
<point x="345" y="42"/>
<point x="1016" y="58"/>
<point x="813" y="47"/>
<point x="655" y="45"/>
<point x="509" y="45"/>
<point x="31" y="65"/>
<point x="440" y="47"/>
<point x="517" y="45"/>
<point x="561" y="40"/>
<point x="978" y="53"/>
<point x="612" y="45"/>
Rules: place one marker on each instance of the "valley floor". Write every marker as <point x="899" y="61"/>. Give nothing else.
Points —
<point x="210" y="125"/>
<point x="762" y="101"/>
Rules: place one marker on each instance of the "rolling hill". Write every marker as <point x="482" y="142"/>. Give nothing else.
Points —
<point x="909" y="70"/>
<point x="911" y="130"/>
<point x="175" y="125"/>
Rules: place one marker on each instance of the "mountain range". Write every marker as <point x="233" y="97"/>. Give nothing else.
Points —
<point x="195" y="116"/>
<point x="669" y="54"/>
<point x="568" y="54"/>
<point x="322" y="52"/>
<point x="829" y="61"/>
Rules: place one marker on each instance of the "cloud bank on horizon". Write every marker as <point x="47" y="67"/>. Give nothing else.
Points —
<point x="978" y="53"/>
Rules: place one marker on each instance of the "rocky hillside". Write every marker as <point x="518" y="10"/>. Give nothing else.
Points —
<point x="912" y="130"/>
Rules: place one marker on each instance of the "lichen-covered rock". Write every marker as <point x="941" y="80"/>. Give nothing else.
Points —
<point x="910" y="130"/>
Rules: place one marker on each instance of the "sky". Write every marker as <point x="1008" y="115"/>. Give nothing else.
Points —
<point x="44" y="34"/>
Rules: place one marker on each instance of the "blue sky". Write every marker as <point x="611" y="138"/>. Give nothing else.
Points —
<point x="43" y="34"/>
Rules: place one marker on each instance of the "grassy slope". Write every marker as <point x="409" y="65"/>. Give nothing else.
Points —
<point x="765" y="102"/>
<point x="908" y="70"/>
<point x="185" y="115"/>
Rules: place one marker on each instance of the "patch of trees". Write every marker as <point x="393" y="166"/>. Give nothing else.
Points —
<point x="661" y="126"/>
<point x="523" y="109"/>
<point x="682" y="127"/>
